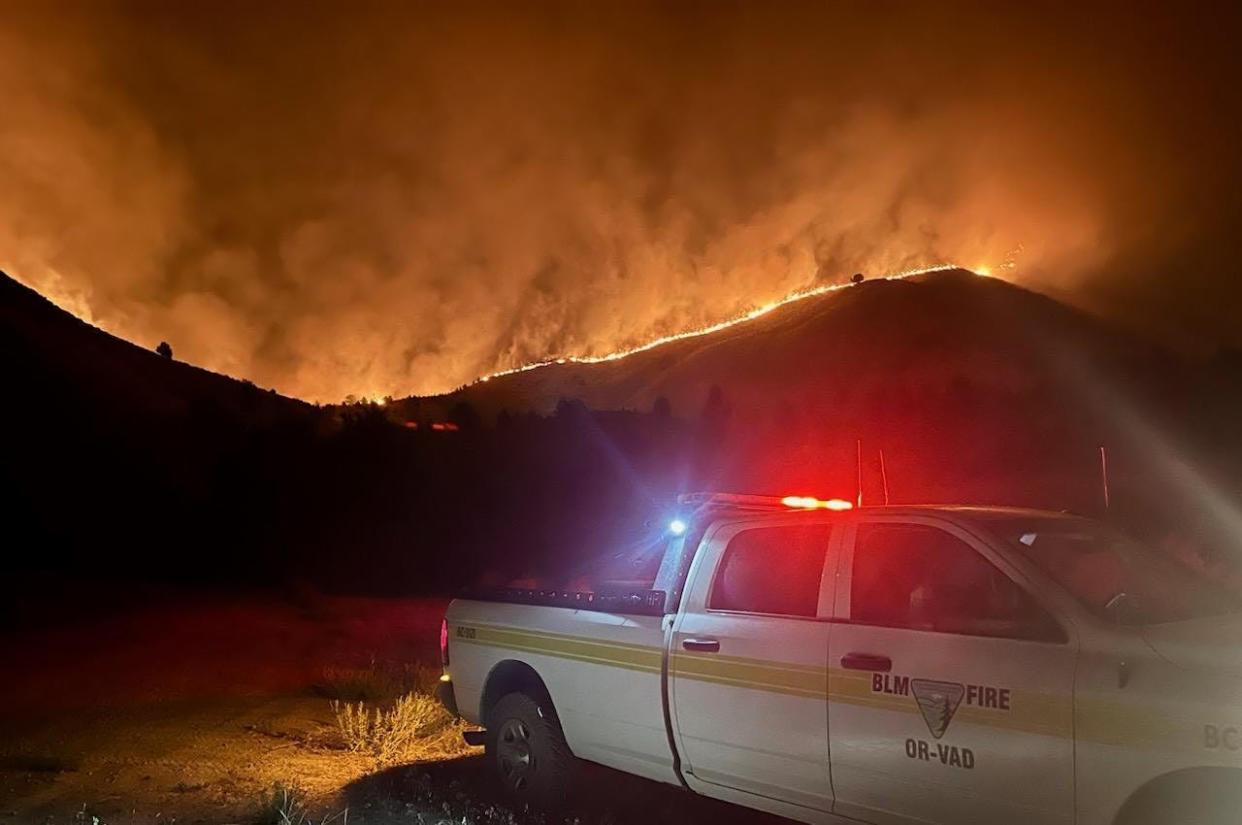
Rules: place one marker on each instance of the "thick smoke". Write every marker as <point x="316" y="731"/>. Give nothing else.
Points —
<point x="389" y="200"/>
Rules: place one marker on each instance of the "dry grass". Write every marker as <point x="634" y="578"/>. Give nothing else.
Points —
<point x="415" y="727"/>
<point x="288" y="805"/>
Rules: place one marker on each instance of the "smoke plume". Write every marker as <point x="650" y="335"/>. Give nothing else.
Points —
<point x="377" y="199"/>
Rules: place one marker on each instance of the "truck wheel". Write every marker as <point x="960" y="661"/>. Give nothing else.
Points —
<point x="528" y="750"/>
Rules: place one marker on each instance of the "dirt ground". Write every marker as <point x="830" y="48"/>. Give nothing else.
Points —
<point x="191" y="760"/>
<point x="211" y="712"/>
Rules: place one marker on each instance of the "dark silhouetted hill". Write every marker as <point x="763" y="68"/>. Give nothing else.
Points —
<point x="51" y="356"/>
<point x="925" y="333"/>
<point x="119" y="462"/>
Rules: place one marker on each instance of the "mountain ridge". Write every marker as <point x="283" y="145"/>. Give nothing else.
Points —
<point x="116" y="373"/>
<point x="876" y="325"/>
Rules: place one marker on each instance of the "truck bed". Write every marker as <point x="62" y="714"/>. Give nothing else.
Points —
<point x="603" y="671"/>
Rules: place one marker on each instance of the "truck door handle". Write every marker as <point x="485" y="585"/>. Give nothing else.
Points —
<point x="702" y="645"/>
<point x="867" y="661"/>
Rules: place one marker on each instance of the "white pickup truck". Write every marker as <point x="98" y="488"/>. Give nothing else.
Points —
<point x="889" y="665"/>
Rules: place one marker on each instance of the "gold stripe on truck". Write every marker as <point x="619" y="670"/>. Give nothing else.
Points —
<point x="1100" y="720"/>
<point x="758" y="674"/>
<point x="577" y="648"/>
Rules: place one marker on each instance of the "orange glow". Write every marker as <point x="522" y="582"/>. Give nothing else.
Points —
<point x="445" y="426"/>
<point x="757" y="312"/>
<point x="812" y="503"/>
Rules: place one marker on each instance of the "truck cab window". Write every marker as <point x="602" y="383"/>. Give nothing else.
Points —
<point x="922" y="578"/>
<point x="775" y="570"/>
<point x="1096" y="564"/>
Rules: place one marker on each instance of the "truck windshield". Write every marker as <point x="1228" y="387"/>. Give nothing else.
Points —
<point x="1113" y="576"/>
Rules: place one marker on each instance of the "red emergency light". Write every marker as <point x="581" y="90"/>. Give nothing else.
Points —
<point x="812" y="503"/>
<point x="739" y="501"/>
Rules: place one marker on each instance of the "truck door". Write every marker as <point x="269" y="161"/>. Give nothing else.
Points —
<point x="747" y="670"/>
<point x="950" y="686"/>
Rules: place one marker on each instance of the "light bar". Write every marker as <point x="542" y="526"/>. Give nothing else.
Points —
<point x="739" y="501"/>
<point x="812" y="503"/>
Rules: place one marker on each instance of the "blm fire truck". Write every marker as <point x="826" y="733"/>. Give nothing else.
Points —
<point x="881" y="664"/>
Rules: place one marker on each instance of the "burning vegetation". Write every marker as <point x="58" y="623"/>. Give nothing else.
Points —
<point x="423" y="196"/>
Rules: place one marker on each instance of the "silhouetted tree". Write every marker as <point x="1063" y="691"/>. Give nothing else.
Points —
<point x="569" y="409"/>
<point x="164" y="349"/>
<point x="662" y="408"/>
<point x="857" y="279"/>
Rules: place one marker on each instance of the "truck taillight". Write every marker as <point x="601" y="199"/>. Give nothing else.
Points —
<point x="444" y="642"/>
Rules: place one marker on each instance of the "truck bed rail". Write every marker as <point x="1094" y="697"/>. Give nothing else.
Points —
<point x="634" y="602"/>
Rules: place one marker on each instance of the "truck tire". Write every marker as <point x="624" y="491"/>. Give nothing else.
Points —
<point x="528" y="750"/>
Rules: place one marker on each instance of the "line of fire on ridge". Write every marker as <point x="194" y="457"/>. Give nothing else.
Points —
<point x="757" y="312"/>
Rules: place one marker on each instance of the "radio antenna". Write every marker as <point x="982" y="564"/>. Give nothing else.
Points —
<point x="858" y="464"/>
<point x="1104" y="474"/>
<point x="884" y="476"/>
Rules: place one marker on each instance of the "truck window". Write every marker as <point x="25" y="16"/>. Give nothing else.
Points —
<point x="775" y="570"/>
<point x="922" y="578"/>
<point x="1097" y="565"/>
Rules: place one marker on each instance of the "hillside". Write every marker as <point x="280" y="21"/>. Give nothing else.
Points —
<point x="924" y="334"/>
<point x="120" y="461"/>
<point x="123" y="469"/>
<point x="48" y="354"/>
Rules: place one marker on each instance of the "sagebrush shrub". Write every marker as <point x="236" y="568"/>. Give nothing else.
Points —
<point x="414" y="726"/>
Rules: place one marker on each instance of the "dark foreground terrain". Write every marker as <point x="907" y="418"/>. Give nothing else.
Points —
<point x="221" y="712"/>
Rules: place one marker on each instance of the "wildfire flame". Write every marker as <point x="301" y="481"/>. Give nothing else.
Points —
<point x="757" y="312"/>
<point x="51" y="287"/>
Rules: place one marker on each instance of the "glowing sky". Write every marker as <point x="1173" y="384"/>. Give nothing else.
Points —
<point x="376" y="199"/>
